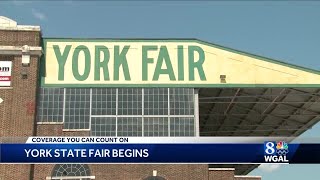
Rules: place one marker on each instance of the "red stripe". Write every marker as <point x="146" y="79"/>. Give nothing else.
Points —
<point x="5" y="78"/>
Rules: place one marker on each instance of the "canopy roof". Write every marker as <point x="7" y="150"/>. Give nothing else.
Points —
<point x="257" y="112"/>
<point x="286" y="108"/>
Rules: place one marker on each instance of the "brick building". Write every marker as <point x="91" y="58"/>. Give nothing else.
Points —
<point x="40" y="101"/>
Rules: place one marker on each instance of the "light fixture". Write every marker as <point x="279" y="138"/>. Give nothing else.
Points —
<point x="154" y="173"/>
<point x="223" y="78"/>
<point x="24" y="73"/>
<point x="25" y="55"/>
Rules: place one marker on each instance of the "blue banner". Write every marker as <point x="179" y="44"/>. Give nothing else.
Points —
<point x="269" y="152"/>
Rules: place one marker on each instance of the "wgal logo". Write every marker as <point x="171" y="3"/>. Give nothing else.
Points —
<point x="276" y="151"/>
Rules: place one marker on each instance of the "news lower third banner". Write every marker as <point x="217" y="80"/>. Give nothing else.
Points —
<point x="211" y="150"/>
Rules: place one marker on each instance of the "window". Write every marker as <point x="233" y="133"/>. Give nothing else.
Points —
<point x="104" y="101"/>
<point x="50" y="105"/>
<point x="129" y="101"/>
<point x="129" y="126"/>
<point x="120" y="111"/>
<point x="77" y="108"/>
<point x="156" y="126"/>
<point x="103" y="126"/>
<point x="181" y="101"/>
<point x="156" y="101"/>
<point x="181" y="126"/>
<point x="70" y="170"/>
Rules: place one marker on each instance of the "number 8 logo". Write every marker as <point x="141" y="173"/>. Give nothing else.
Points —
<point x="269" y="148"/>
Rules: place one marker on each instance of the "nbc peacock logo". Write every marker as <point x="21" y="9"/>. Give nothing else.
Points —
<point x="282" y="148"/>
<point x="276" y="151"/>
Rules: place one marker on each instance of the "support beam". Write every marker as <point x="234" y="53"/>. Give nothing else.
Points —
<point x="252" y="102"/>
<point x="296" y="111"/>
<point x="271" y="115"/>
<point x="248" y="95"/>
<point x="231" y="102"/>
<point x="271" y="104"/>
<point x="222" y="124"/>
<point x="294" y="107"/>
<point x="278" y="115"/>
<point x="210" y="110"/>
<point x="248" y="110"/>
<point x="196" y="113"/>
<point x="228" y="108"/>
<point x="315" y="94"/>
<point x="211" y="131"/>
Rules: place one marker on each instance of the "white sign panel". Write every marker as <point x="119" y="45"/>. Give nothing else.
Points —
<point x="5" y="73"/>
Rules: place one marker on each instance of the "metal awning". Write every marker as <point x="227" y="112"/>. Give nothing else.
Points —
<point x="257" y="112"/>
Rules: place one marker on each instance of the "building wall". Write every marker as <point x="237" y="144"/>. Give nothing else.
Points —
<point x="221" y="174"/>
<point x="17" y="111"/>
<point x="57" y="130"/>
<point x="18" y="119"/>
<point x="120" y="171"/>
<point x="136" y="172"/>
<point x="19" y="38"/>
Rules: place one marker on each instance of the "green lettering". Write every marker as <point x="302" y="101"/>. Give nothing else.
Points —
<point x="180" y="64"/>
<point x="61" y="58"/>
<point x="121" y="59"/>
<point x="101" y="64"/>
<point x="146" y="60"/>
<point x="163" y="57"/>
<point x="75" y="63"/>
<point x="196" y="65"/>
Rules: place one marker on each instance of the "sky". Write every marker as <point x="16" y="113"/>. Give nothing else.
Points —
<point x="287" y="30"/>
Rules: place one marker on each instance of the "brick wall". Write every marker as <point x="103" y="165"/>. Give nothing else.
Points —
<point x="42" y="171"/>
<point x="17" y="111"/>
<point x="139" y="172"/>
<point x="57" y="130"/>
<point x="19" y="38"/>
<point x="136" y="172"/>
<point x="121" y="171"/>
<point x="221" y="174"/>
<point x="18" y="108"/>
